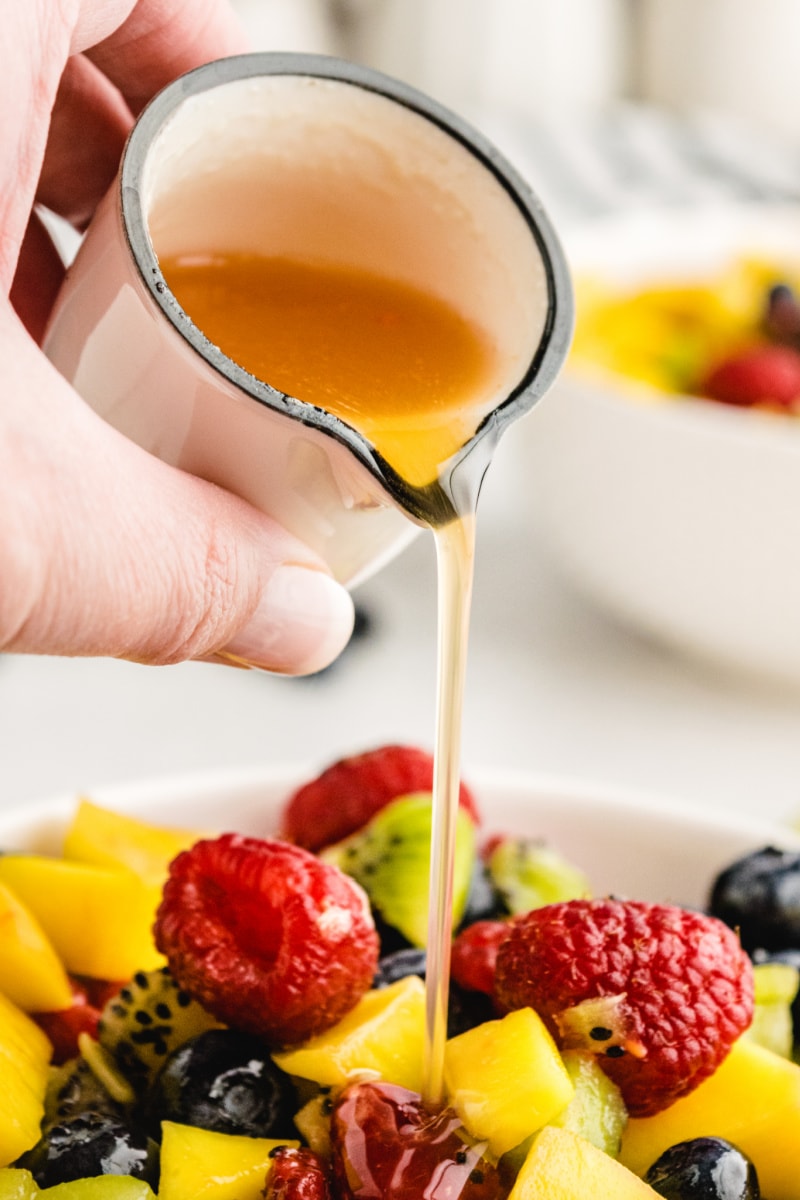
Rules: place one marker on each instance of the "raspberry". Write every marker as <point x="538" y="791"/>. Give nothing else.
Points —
<point x="768" y="374"/>
<point x="660" y="993"/>
<point x="474" y="955"/>
<point x="349" y="792"/>
<point x="297" y="1175"/>
<point x="268" y="938"/>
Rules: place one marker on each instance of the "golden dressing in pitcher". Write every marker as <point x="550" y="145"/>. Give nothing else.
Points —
<point x="412" y="375"/>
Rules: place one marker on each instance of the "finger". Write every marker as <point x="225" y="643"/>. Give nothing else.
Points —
<point x="39" y="275"/>
<point x="88" y="128"/>
<point x="105" y="550"/>
<point x="162" y="39"/>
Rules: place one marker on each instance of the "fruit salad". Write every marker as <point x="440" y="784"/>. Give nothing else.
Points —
<point x="189" y="1013"/>
<point x="734" y="338"/>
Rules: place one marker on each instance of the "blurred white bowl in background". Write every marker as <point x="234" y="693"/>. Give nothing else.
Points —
<point x="681" y="518"/>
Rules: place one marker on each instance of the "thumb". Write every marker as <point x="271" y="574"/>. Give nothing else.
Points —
<point x="105" y="550"/>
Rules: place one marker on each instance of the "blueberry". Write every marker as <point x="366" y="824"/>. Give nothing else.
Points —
<point x="224" y="1081"/>
<point x="484" y="902"/>
<point x="705" y="1168"/>
<point x="88" y="1145"/>
<point x="759" y="895"/>
<point x="465" y="1009"/>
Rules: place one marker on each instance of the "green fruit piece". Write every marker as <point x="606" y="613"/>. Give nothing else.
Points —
<point x="99" y="1187"/>
<point x="148" y="1019"/>
<point x="390" y="858"/>
<point x="776" y="985"/>
<point x="528" y="874"/>
<point x="16" y="1184"/>
<point x="597" y="1111"/>
<point x="72" y="1089"/>
<point x="199" y="1164"/>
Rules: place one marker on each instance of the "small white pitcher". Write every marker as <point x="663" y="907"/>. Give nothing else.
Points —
<point x="296" y="155"/>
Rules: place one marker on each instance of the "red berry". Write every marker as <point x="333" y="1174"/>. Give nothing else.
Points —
<point x="386" y="1145"/>
<point x="349" y="793"/>
<point x="268" y="938"/>
<point x="768" y="374"/>
<point x="474" y="955"/>
<point x="64" y="1025"/>
<point x="660" y="993"/>
<point x="297" y="1175"/>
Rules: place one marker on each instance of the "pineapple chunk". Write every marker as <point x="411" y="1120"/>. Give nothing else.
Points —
<point x="31" y="973"/>
<point x="111" y="839"/>
<point x="479" y="1066"/>
<point x="384" y="1036"/>
<point x="24" y="1067"/>
<point x="752" y="1100"/>
<point x="203" y="1165"/>
<point x="99" y="920"/>
<point x="563" y="1166"/>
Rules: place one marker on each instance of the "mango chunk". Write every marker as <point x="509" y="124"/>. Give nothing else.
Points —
<point x="24" y="1066"/>
<point x="203" y="1165"/>
<point x="99" y="1187"/>
<point x="563" y="1166"/>
<point x="16" y="1184"/>
<point x="383" y="1035"/>
<point x="752" y="1100"/>
<point x="31" y="973"/>
<point x="98" y="919"/>
<point x="480" y="1066"/>
<point x="112" y="839"/>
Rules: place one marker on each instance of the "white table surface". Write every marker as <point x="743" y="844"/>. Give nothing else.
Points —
<point x="553" y="688"/>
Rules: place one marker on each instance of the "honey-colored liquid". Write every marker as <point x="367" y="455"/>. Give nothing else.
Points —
<point x="410" y="374"/>
<point x="399" y="365"/>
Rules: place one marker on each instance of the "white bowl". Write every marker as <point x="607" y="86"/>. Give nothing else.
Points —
<point x="641" y="847"/>
<point x="678" y="517"/>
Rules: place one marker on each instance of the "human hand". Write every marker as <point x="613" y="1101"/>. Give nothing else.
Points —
<point x="105" y="550"/>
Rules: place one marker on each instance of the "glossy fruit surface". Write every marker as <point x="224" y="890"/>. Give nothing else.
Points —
<point x="759" y="895"/>
<point x="91" y="1144"/>
<point x="388" y="1146"/>
<point x="199" y="1164"/>
<point x="266" y="937"/>
<point x="297" y="1175"/>
<point x="225" y="1081"/>
<point x="705" y="1168"/>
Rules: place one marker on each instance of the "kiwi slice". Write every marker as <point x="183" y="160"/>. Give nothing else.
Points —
<point x="529" y="874"/>
<point x="390" y="858"/>
<point x="74" y="1089"/>
<point x="146" y="1020"/>
<point x="776" y="985"/>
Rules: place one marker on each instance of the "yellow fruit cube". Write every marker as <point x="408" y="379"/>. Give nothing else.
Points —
<point x="383" y="1035"/>
<point x="99" y="919"/>
<point x="752" y="1100"/>
<point x="31" y="973"/>
<point x="480" y="1066"/>
<point x="203" y="1165"/>
<point x="16" y="1184"/>
<point x="24" y="1066"/>
<point x="563" y="1166"/>
<point x="112" y="839"/>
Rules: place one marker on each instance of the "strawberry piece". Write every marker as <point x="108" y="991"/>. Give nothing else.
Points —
<point x="266" y="937"/>
<point x="768" y="374"/>
<point x="474" y="955"/>
<point x="64" y="1025"/>
<point x="386" y="1145"/>
<point x="349" y="793"/>
<point x="658" y="992"/>
<point x="297" y="1175"/>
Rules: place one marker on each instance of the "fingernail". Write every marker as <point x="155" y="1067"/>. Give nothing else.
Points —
<point x="303" y="621"/>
